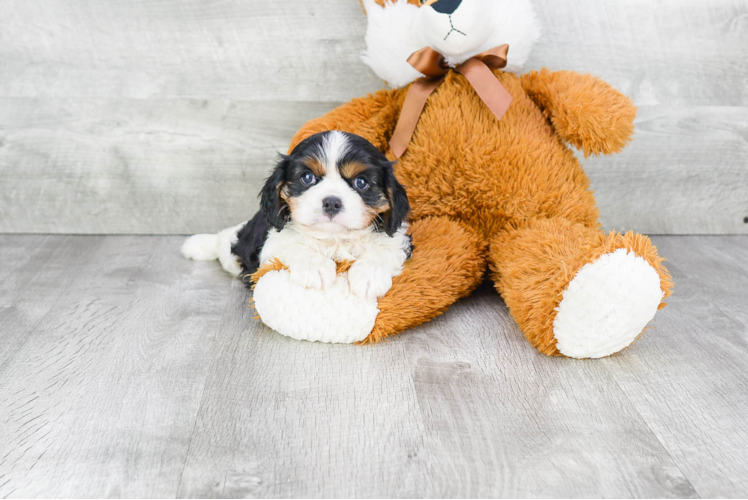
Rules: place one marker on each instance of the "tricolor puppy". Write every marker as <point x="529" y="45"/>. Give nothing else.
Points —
<point x="335" y="198"/>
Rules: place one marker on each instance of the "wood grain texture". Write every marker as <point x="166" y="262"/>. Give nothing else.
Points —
<point x="26" y="276"/>
<point x="188" y="166"/>
<point x="460" y="408"/>
<point x="669" y="52"/>
<point x="100" y="397"/>
<point x="164" y="117"/>
<point x="289" y="50"/>
<point x="137" y="373"/>
<point x="691" y="385"/>
<point x="104" y="166"/>
<point x="664" y="52"/>
<point x="686" y="172"/>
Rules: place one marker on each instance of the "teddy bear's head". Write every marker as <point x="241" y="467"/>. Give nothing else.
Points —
<point x="457" y="29"/>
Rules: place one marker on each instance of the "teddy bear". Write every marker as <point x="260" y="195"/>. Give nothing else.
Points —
<point x="485" y="154"/>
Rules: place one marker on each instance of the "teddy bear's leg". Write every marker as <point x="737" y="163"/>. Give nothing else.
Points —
<point x="448" y="262"/>
<point x="576" y="291"/>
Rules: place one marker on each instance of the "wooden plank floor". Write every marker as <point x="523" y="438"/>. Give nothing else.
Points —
<point x="128" y="371"/>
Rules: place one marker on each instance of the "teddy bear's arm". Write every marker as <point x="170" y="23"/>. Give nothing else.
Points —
<point x="585" y="111"/>
<point x="372" y="117"/>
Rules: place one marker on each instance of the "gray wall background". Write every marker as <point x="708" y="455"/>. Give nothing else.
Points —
<point x="164" y="116"/>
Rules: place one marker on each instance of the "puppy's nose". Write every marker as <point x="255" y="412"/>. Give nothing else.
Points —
<point x="446" y="6"/>
<point x="332" y="205"/>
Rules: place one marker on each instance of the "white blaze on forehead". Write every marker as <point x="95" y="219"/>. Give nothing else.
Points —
<point x="307" y="208"/>
<point x="334" y="147"/>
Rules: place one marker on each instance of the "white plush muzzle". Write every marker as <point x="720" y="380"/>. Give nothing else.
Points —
<point x="399" y="29"/>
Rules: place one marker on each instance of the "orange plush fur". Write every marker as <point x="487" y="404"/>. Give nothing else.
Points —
<point x="509" y="195"/>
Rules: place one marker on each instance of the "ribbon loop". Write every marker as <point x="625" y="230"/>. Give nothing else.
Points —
<point x="494" y="58"/>
<point x="428" y="62"/>
<point x="477" y="70"/>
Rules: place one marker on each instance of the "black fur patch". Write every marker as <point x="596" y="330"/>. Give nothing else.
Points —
<point x="285" y="182"/>
<point x="250" y="240"/>
<point x="272" y="206"/>
<point x="382" y="181"/>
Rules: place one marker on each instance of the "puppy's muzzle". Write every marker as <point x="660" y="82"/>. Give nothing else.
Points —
<point x="332" y="205"/>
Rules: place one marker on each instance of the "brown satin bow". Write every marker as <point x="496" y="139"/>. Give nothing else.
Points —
<point x="479" y="72"/>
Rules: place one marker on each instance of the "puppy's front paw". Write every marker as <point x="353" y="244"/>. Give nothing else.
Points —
<point x="316" y="272"/>
<point x="368" y="280"/>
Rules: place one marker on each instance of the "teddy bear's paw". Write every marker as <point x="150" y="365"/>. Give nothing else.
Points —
<point x="332" y="315"/>
<point x="314" y="271"/>
<point x="607" y="305"/>
<point x="368" y="280"/>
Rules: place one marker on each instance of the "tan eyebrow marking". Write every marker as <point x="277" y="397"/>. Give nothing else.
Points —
<point x="315" y="166"/>
<point x="352" y="169"/>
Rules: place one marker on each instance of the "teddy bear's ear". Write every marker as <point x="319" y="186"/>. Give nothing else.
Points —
<point x="365" y="7"/>
<point x="390" y="40"/>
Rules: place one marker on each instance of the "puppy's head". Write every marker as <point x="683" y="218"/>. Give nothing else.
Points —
<point x="335" y="182"/>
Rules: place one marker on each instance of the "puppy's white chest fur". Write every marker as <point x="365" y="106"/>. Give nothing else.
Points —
<point x="334" y="199"/>
<point x="311" y="257"/>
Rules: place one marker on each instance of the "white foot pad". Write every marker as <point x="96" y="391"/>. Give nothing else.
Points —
<point x="332" y="315"/>
<point x="607" y="305"/>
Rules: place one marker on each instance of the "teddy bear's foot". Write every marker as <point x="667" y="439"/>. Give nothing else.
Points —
<point x="607" y="305"/>
<point x="574" y="290"/>
<point x="448" y="262"/>
<point x="333" y="315"/>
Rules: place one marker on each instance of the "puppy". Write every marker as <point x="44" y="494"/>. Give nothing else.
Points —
<point x="335" y="198"/>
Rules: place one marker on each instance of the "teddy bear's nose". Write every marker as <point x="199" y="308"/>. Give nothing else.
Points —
<point x="446" y="6"/>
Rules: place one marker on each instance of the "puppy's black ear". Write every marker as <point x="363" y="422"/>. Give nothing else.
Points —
<point x="398" y="198"/>
<point x="272" y="205"/>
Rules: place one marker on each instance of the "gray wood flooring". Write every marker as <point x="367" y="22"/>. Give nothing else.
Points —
<point x="128" y="371"/>
<point x="145" y="117"/>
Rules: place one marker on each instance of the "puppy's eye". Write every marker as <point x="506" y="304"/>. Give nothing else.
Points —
<point x="361" y="183"/>
<point x="308" y="178"/>
<point x="423" y="1"/>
